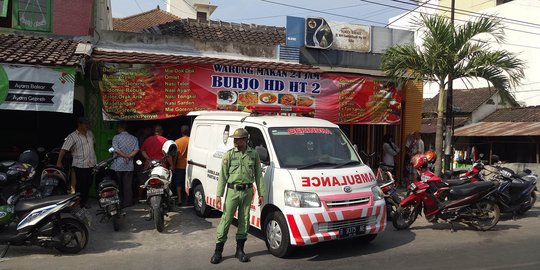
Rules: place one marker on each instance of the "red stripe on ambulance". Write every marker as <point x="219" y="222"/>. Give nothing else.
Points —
<point x="294" y="230"/>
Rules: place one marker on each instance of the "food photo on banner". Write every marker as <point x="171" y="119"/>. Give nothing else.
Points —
<point x="159" y="91"/>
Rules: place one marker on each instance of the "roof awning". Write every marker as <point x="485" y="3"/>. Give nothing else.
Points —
<point x="499" y="129"/>
<point x="113" y="56"/>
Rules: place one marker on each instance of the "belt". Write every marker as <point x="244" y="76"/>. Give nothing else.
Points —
<point x="239" y="186"/>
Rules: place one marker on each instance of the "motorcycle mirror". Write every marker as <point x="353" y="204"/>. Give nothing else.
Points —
<point x="138" y="162"/>
<point x="111" y="150"/>
<point x="355" y="148"/>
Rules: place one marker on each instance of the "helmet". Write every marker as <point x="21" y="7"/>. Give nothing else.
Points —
<point x="7" y="213"/>
<point x="21" y="172"/>
<point x="169" y="148"/>
<point x="240" y="133"/>
<point x="29" y="157"/>
<point x="431" y="156"/>
<point x="418" y="161"/>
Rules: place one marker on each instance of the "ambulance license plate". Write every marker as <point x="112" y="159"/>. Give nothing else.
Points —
<point x="352" y="231"/>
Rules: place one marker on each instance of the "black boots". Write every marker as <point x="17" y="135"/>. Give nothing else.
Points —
<point x="216" y="258"/>
<point x="240" y="251"/>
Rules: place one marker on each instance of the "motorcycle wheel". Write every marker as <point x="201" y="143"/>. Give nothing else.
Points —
<point x="116" y="222"/>
<point x="392" y="204"/>
<point x="73" y="235"/>
<point x="530" y="204"/>
<point x="404" y="216"/>
<point x="158" y="219"/>
<point x="199" y="202"/>
<point x="488" y="215"/>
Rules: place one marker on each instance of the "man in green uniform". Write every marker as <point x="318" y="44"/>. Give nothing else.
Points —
<point x="239" y="169"/>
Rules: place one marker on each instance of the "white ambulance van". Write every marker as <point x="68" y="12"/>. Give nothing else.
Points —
<point x="318" y="189"/>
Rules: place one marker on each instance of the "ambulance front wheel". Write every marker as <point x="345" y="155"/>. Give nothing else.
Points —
<point x="277" y="235"/>
<point x="199" y="202"/>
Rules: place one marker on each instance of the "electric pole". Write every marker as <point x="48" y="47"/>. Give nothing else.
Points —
<point x="449" y="107"/>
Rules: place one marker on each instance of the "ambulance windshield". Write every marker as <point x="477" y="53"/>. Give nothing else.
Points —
<point x="313" y="147"/>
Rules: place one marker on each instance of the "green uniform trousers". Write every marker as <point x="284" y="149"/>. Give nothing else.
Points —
<point x="235" y="199"/>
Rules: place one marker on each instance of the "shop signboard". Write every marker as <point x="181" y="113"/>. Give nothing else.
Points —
<point x="322" y="34"/>
<point x="29" y="88"/>
<point x="158" y="91"/>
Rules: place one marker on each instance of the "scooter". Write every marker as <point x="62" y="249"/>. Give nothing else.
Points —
<point x="109" y="201"/>
<point x="18" y="184"/>
<point x="159" y="196"/>
<point x="517" y="192"/>
<point x="388" y="187"/>
<point x="473" y="203"/>
<point x="53" y="179"/>
<point x="55" y="222"/>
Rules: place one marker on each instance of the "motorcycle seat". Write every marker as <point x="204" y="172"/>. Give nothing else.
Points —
<point x="24" y="206"/>
<point x="456" y="181"/>
<point x="470" y="188"/>
<point x="107" y="183"/>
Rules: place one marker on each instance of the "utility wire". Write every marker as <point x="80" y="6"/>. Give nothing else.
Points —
<point x="477" y="15"/>
<point x="320" y="11"/>
<point x="407" y="13"/>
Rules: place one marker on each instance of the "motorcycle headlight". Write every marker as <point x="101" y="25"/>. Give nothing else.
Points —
<point x="377" y="193"/>
<point x="301" y="199"/>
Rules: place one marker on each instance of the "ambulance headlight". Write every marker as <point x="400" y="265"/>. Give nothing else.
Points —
<point x="377" y="193"/>
<point x="301" y="199"/>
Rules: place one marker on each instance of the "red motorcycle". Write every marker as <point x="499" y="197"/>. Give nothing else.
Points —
<point x="473" y="203"/>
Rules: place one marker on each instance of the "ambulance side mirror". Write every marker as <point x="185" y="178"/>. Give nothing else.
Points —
<point x="263" y="154"/>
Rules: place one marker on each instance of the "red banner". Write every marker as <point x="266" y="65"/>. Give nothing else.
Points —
<point x="143" y="92"/>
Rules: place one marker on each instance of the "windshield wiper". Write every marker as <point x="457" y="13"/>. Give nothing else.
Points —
<point x="315" y="164"/>
<point x="352" y="162"/>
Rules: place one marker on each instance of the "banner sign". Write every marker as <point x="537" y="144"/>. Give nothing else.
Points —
<point x="140" y="91"/>
<point x="295" y="32"/>
<point x="26" y="88"/>
<point x="321" y="34"/>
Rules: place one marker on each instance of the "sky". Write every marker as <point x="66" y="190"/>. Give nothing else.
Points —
<point x="274" y="12"/>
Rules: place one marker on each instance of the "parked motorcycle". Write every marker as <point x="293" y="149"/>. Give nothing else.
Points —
<point x="53" y="179"/>
<point x="516" y="193"/>
<point x="109" y="201"/>
<point x="388" y="187"/>
<point x="473" y="203"/>
<point x="19" y="178"/>
<point x="54" y="222"/>
<point x="159" y="196"/>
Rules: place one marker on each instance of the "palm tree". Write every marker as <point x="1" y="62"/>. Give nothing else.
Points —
<point x="457" y="52"/>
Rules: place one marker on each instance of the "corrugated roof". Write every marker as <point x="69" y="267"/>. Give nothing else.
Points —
<point x="499" y="129"/>
<point x="222" y="31"/>
<point x="36" y="50"/>
<point x="521" y="114"/>
<point x="466" y="99"/>
<point x="146" y="58"/>
<point x="138" y="22"/>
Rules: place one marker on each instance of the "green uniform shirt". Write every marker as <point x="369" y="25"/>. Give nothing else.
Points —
<point x="240" y="168"/>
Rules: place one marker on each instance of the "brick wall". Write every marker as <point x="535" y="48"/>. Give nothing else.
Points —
<point x="72" y="17"/>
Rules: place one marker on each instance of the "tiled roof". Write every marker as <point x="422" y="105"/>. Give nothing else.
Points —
<point x="147" y="58"/>
<point x="466" y="99"/>
<point x="429" y="125"/>
<point x="35" y="50"/>
<point x="141" y="21"/>
<point x="523" y="114"/>
<point x="222" y="31"/>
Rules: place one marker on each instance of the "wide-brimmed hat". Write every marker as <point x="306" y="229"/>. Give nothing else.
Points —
<point x="240" y="133"/>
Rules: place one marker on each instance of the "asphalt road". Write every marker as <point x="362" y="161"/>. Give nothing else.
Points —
<point x="188" y="243"/>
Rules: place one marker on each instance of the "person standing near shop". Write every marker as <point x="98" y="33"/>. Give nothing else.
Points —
<point x="151" y="148"/>
<point x="126" y="146"/>
<point x="390" y="150"/>
<point x="240" y="168"/>
<point x="179" y="173"/>
<point x="81" y="144"/>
